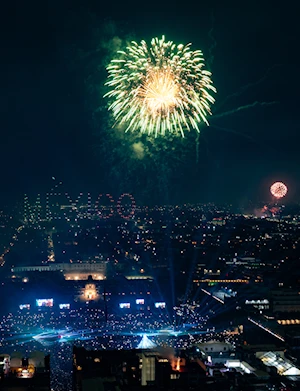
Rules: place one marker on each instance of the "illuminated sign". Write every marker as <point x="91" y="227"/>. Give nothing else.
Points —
<point x="24" y="306"/>
<point x="124" y="305"/>
<point x="64" y="306"/>
<point x="140" y="301"/>
<point x="44" y="302"/>
<point x="160" y="305"/>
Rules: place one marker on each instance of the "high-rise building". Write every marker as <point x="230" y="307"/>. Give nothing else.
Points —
<point x="25" y="373"/>
<point x="138" y="369"/>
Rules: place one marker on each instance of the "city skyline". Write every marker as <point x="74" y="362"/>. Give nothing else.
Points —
<point x="172" y="275"/>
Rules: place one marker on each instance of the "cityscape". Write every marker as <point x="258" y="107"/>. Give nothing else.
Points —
<point x="150" y="209"/>
<point x="165" y="280"/>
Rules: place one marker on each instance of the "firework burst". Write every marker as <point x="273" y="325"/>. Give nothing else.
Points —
<point x="278" y="190"/>
<point x="159" y="88"/>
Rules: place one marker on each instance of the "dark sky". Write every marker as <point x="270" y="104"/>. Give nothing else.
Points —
<point x="47" y="127"/>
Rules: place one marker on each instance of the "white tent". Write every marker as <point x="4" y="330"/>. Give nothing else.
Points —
<point x="145" y="343"/>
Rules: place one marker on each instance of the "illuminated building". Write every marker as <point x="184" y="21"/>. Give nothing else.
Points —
<point x="283" y="366"/>
<point x="71" y="271"/>
<point x="25" y="373"/>
<point x="93" y="369"/>
<point x="89" y="293"/>
<point x="226" y="281"/>
<point x="134" y="370"/>
<point x="261" y="305"/>
<point x="147" y="363"/>
<point x="216" y="351"/>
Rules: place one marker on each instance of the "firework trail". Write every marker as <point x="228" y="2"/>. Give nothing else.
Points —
<point x="211" y="56"/>
<point x="241" y="108"/>
<point x="248" y="86"/>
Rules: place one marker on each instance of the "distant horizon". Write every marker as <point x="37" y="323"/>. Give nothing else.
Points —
<point x="39" y="207"/>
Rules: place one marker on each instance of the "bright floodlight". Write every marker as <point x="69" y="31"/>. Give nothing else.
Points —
<point x="145" y="343"/>
<point x="278" y="190"/>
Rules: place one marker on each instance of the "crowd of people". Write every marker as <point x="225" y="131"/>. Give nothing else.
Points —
<point x="56" y="332"/>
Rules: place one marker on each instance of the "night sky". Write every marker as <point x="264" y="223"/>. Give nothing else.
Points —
<point x="52" y="72"/>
